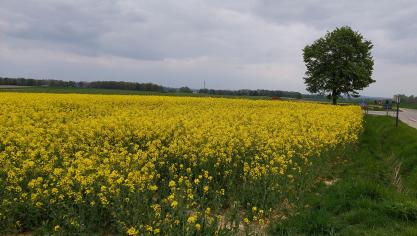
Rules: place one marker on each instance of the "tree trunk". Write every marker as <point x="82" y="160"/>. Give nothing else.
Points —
<point x="334" y="97"/>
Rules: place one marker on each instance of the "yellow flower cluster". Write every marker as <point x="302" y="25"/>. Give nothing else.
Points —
<point x="149" y="164"/>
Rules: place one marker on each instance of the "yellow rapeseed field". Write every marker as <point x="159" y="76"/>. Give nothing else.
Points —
<point x="139" y="165"/>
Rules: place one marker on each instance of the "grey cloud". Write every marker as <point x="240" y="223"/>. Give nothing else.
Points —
<point x="75" y="25"/>
<point x="397" y="19"/>
<point x="230" y="43"/>
<point x="324" y="14"/>
<point x="150" y="30"/>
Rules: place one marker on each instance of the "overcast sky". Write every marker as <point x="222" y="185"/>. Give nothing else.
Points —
<point x="229" y="44"/>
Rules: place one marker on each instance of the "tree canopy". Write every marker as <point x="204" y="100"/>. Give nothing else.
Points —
<point x="338" y="63"/>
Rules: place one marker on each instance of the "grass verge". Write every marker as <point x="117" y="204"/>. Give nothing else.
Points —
<point x="373" y="193"/>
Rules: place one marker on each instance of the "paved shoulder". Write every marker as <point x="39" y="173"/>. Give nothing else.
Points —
<point x="381" y="113"/>
<point x="409" y="116"/>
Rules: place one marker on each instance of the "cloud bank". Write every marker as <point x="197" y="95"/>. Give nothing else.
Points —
<point x="228" y="44"/>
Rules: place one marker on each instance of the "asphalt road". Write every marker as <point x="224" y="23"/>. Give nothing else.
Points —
<point x="408" y="116"/>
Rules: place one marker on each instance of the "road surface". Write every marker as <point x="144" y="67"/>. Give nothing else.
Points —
<point x="408" y="116"/>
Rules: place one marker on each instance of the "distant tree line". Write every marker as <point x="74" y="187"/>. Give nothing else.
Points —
<point x="250" y="92"/>
<point x="152" y="87"/>
<point x="408" y="99"/>
<point x="82" y="84"/>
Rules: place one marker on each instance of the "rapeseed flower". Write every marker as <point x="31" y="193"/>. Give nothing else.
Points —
<point x="146" y="160"/>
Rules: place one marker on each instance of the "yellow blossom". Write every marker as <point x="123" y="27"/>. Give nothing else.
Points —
<point x="171" y="184"/>
<point x="174" y="204"/>
<point x="191" y="219"/>
<point x="132" y="231"/>
<point x="153" y="187"/>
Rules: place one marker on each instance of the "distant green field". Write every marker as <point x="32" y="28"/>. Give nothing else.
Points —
<point x="409" y="105"/>
<point x="34" y="89"/>
<point x="116" y="92"/>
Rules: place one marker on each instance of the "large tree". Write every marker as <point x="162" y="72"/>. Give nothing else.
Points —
<point x="338" y="63"/>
